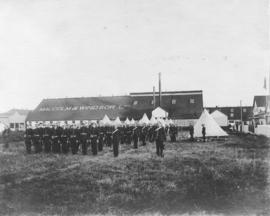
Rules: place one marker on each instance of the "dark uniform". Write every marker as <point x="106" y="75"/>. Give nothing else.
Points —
<point x="55" y="136"/>
<point x="173" y="133"/>
<point x="5" y="135"/>
<point x="203" y="132"/>
<point x="143" y="135"/>
<point x="83" y="139"/>
<point x="64" y="140"/>
<point x="93" y="139"/>
<point x="28" y="139"/>
<point x="47" y="140"/>
<point x="73" y="138"/>
<point x="37" y="140"/>
<point x="160" y="138"/>
<point x="129" y="134"/>
<point x="191" y="132"/>
<point x="101" y="138"/>
<point x="116" y="140"/>
<point x="135" y="137"/>
<point x="109" y="136"/>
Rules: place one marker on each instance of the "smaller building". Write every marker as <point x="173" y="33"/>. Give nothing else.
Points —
<point x="15" y="119"/>
<point x="261" y="110"/>
<point x="234" y="113"/>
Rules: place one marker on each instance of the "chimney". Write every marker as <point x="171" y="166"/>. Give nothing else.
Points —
<point x="159" y="85"/>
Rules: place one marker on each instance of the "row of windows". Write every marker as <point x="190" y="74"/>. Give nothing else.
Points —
<point x="173" y="101"/>
<point x="244" y="110"/>
<point x="16" y="125"/>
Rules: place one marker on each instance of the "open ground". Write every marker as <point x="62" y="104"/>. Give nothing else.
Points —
<point x="217" y="177"/>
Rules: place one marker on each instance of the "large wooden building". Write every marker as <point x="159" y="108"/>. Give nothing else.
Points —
<point x="183" y="107"/>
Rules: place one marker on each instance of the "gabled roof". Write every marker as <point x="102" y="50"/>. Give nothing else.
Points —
<point x="167" y="93"/>
<point x="12" y="111"/>
<point x="260" y="100"/>
<point x="90" y="108"/>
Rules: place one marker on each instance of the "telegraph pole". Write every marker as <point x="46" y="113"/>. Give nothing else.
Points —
<point x="241" y="113"/>
<point x="159" y="81"/>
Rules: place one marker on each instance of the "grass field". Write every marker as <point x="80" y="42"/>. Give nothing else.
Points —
<point x="217" y="177"/>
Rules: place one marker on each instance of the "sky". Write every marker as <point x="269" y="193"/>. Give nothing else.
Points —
<point x="67" y="48"/>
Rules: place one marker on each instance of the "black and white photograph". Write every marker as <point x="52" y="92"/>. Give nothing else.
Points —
<point x="135" y="107"/>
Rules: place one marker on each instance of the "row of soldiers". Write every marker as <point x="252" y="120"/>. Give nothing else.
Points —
<point x="75" y="138"/>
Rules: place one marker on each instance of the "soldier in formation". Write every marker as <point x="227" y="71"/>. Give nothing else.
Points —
<point x="56" y="138"/>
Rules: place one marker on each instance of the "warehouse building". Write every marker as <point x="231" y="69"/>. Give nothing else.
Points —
<point x="183" y="107"/>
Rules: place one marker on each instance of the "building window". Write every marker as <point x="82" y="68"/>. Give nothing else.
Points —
<point x="135" y="102"/>
<point x="173" y="101"/>
<point x="232" y="109"/>
<point x="11" y="125"/>
<point x="232" y="115"/>
<point x="244" y="110"/>
<point x="192" y="100"/>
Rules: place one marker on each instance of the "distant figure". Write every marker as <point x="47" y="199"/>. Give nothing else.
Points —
<point x="28" y="139"/>
<point x="5" y="135"/>
<point x="135" y="137"/>
<point x="203" y="132"/>
<point x="173" y="132"/>
<point x="160" y="136"/>
<point x="191" y="132"/>
<point x="115" y="141"/>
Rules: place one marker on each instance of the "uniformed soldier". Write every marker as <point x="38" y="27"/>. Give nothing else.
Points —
<point x="83" y="138"/>
<point x="47" y="139"/>
<point x="191" y="132"/>
<point x="143" y="134"/>
<point x="116" y="140"/>
<point x="160" y="138"/>
<point x="28" y="139"/>
<point x="6" y="134"/>
<point x="109" y="136"/>
<point x="64" y="139"/>
<point x="129" y="134"/>
<point x="37" y="140"/>
<point x="94" y="138"/>
<point x="173" y="132"/>
<point x="101" y="138"/>
<point x="122" y="134"/>
<point x="203" y="132"/>
<point x="59" y="131"/>
<point x="74" y="139"/>
<point x="135" y="136"/>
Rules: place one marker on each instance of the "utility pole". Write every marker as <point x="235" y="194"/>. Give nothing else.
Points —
<point x="159" y="81"/>
<point x="241" y="113"/>
<point x="154" y="97"/>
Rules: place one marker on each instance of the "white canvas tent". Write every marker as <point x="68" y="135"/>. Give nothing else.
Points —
<point x="153" y="121"/>
<point x="159" y="113"/>
<point x="212" y="127"/>
<point x="127" y="122"/>
<point x="144" y="119"/>
<point x="117" y="122"/>
<point x="106" y="120"/>
<point x="220" y="118"/>
<point x="132" y="122"/>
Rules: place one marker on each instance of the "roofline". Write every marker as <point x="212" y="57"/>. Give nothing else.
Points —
<point x="228" y="107"/>
<point x="62" y="98"/>
<point x="167" y="93"/>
